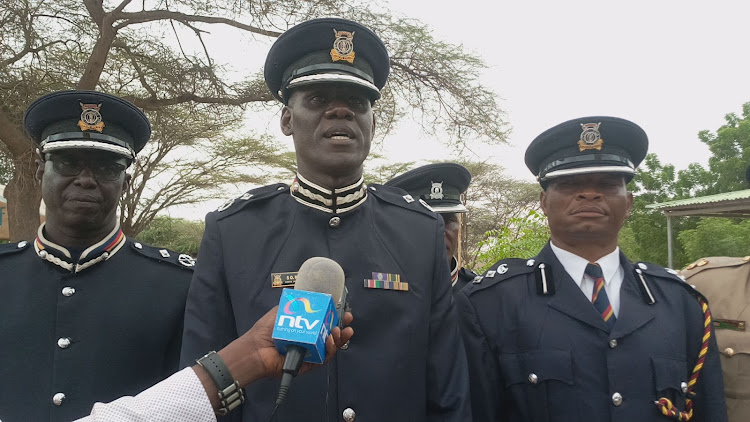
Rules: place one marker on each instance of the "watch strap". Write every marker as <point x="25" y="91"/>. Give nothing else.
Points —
<point x="230" y="393"/>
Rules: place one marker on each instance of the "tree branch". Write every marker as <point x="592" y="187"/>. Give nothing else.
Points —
<point x="131" y="18"/>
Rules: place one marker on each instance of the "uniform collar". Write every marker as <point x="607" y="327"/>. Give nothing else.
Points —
<point x="336" y="201"/>
<point x="61" y="256"/>
<point x="575" y="265"/>
<point x="454" y="271"/>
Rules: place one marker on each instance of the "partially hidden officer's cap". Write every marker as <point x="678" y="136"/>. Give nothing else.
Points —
<point x="598" y="144"/>
<point x="87" y="120"/>
<point x="440" y="185"/>
<point x="327" y="50"/>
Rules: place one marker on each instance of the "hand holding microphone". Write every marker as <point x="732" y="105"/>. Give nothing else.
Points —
<point x="306" y="316"/>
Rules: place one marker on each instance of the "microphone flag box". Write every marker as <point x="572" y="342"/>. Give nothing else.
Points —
<point x="304" y="319"/>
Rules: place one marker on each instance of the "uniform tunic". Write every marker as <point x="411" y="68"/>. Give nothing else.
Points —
<point x="549" y="357"/>
<point x="460" y="276"/>
<point x="405" y="362"/>
<point x="725" y="281"/>
<point x="77" y="332"/>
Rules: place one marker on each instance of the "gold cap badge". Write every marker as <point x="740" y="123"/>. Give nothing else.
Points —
<point x="343" y="46"/>
<point x="91" y="119"/>
<point x="590" y="137"/>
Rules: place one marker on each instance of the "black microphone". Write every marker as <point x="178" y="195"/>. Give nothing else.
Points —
<point x="320" y="275"/>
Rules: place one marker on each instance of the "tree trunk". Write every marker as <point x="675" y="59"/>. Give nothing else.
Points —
<point x="23" y="195"/>
<point x="98" y="57"/>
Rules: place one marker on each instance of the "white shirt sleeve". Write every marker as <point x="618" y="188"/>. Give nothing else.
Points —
<point x="178" y="398"/>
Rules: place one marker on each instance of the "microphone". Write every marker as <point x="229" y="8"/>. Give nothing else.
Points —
<point x="320" y="295"/>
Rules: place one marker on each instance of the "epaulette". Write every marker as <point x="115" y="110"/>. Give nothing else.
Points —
<point x="644" y="270"/>
<point x="396" y="197"/>
<point x="164" y="255"/>
<point x="502" y="270"/>
<point x="713" y="262"/>
<point x="252" y="196"/>
<point x="11" y="248"/>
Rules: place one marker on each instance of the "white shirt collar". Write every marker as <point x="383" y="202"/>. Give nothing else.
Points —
<point x="575" y="265"/>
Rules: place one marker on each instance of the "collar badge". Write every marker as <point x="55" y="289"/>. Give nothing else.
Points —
<point x="436" y="192"/>
<point x="343" y="46"/>
<point x="91" y="119"/>
<point x="590" y="137"/>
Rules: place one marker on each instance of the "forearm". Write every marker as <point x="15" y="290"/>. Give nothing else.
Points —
<point x="179" y="397"/>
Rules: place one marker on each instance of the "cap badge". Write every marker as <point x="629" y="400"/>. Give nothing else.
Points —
<point x="90" y="117"/>
<point x="343" y="46"/>
<point x="590" y="137"/>
<point x="436" y="192"/>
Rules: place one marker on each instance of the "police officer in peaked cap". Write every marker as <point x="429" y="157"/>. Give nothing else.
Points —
<point x="579" y="332"/>
<point x="725" y="281"/>
<point x="88" y="314"/>
<point x="406" y="361"/>
<point x="440" y="186"/>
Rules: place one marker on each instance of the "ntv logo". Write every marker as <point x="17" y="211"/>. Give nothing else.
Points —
<point x="292" y="307"/>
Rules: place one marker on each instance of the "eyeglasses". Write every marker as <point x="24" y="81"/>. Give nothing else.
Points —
<point x="103" y="170"/>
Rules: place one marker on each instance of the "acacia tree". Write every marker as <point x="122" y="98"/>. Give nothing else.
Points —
<point x="138" y="50"/>
<point x="496" y="204"/>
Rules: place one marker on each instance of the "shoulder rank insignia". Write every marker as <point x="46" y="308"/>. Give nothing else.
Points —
<point x="9" y="248"/>
<point x="186" y="260"/>
<point x="502" y="270"/>
<point x="181" y="260"/>
<point x="235" y="204"/>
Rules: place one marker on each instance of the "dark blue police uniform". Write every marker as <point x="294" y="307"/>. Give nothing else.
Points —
<point x="548" y="357"/>
<point x="79" y="332"/>
<point x="440" y="186"/>
<point x="462" y="276"/>
<point x="405" y="362"/>
<point x="80" y="326"/>
<point x="539" y="348"/>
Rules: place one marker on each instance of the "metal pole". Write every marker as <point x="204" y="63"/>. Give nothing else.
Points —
<point x="669" y="242"/>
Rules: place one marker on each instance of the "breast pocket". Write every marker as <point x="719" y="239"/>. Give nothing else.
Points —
<point x="670" y="379"/>
<point x="538" y="380"/>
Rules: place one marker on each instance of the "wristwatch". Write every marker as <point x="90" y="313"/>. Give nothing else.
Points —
<point x="230" y="393"/>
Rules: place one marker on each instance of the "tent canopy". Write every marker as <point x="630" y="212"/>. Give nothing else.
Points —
<point x="730" y="204"/>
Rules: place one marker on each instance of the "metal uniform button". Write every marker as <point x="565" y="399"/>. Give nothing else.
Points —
<point x="683" y="387"/>
<point x="334" y="222"/>
<point x="533" y="378"/>
<point x="612" y="343"/>
<point x="68" y="291"/>
<point x="63" y="342"/>
<point x="729" y="351"/>
<point x="345" y="346"/>
<point x="349" y="414"/>
<point x="617" y="399"/>
<point x="58" y="399"/>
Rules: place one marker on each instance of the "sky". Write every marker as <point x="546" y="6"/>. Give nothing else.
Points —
<point x="673" y="67"/>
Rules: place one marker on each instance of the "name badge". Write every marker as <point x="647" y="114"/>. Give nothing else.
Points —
<point x="283" y="279"/>
<point x="728" y="324"/>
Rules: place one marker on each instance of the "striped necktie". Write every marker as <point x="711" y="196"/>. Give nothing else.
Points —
<point x="599" y="297"/>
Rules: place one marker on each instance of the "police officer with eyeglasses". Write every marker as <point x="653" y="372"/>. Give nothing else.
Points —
<point x="88" y="315"/>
